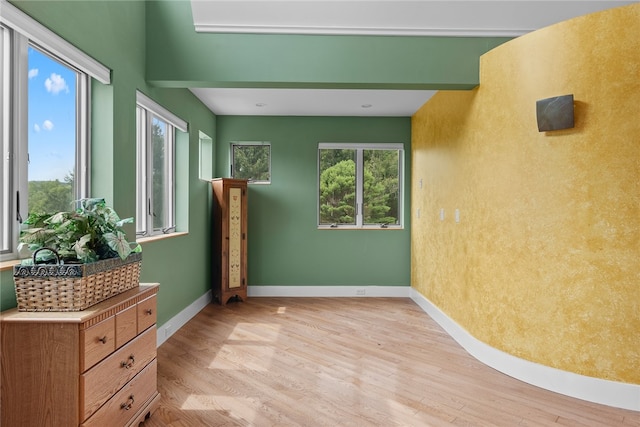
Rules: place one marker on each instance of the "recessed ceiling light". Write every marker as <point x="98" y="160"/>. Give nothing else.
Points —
<point x="366" y="105"/>
<point x="260" y="104"/>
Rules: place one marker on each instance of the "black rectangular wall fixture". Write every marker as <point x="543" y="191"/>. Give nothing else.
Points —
<point x="555" y="113"/>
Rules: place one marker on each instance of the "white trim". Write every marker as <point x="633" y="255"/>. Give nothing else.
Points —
<point x="329" y="291"/>
<point x="611" y="393"/>
<point x="180" y="319"/>
<point x="152" y="106"/>
<point x="350" y="31"/>
<point x="360" y="146"/>
<point x="17" y="20"/>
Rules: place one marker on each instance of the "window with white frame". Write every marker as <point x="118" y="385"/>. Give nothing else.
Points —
<point x="251" y="161"/>
<point x="45" y="89"/>
<point x="155" y="186"/>
<point x="360" y="185"/>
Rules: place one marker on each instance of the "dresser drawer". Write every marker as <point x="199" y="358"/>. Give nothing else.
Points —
<point x="126" y="325"/>
<point x="131" y="399"/>
<point x="146" y="313"/>
<point x="97" y="342"/>
<point x="103" y="380"/>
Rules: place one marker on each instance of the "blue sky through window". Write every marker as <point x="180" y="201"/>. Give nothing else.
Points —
<point x="52" y="118"/>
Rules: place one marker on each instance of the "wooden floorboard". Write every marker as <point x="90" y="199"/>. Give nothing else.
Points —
<point x="344" y="362"/>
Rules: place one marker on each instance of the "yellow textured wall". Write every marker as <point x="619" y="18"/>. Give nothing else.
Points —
<point x="545" y="261"/>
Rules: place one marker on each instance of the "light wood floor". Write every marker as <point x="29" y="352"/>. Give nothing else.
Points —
<point x="344" y="362"/>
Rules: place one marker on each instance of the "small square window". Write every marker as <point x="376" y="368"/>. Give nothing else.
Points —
<point x="251" y="161"/>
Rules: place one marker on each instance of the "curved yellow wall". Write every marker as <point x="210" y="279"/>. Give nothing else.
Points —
<point x="545" y="261"/>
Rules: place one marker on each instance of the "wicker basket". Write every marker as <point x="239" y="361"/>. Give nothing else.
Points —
<point x="74" y="287"/>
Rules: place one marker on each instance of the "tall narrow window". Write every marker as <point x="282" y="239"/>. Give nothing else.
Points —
<point x="53" y="134"/>
<point x="44" y="83"/>
<point x="156" y="130"/>
<point x="359" y="185"/>
<point x="7" y="217"/>
<point x="206" y="157"/>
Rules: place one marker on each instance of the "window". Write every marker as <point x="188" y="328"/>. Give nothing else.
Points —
<point x="360" y="185"/>
<point x="55" y="134"/>
<point x="155" y="183"/>
<point x="44" y="83"/>
<point x="252" y="161"/>
<point x="206" y="157"/>
<point x="6" y="194"/>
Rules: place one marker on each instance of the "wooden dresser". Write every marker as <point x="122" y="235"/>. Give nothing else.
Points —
<point x="95" y="367"/>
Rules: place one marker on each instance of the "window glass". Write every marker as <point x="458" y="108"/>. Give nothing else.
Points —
<point x="7" y="208"/>
<point x="337" y="186"/>
<point x="160" y="148"/>
<point x="52" y="134"/>
<point x="381" y="186"/>
<point x="141" y="173"/>
<point x="251" y="161"/>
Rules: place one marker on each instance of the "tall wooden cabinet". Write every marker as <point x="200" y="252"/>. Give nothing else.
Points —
<point x="229" y="239"/>
<point x="95" y="367"/>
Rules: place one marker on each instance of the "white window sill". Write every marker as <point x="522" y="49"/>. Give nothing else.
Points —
<point x="348" y="227"/>
<point x="157" y="237"/>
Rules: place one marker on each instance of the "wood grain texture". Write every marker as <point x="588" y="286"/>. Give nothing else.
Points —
<point x="343" y="362"/>
<point x="39" y="373"/>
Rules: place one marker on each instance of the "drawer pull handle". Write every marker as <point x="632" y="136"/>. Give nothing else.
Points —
<point x="103" y="340"/>
<point x="129" y="363"/>
<point x="126" y="406"/>
<point x="148" y="311"/>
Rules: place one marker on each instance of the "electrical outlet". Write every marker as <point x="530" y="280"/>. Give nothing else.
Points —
<point x="360" y="292"/>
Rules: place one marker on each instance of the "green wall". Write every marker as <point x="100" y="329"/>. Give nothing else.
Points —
<point x="285" y="247"/>
<point x="177" y="56"/>
<point x="114" y="33"/>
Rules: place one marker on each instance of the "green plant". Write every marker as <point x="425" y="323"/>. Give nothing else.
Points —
<point x="91" y="233"/>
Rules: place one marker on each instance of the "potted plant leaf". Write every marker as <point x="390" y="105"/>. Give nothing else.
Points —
<point x="78" y="259"/>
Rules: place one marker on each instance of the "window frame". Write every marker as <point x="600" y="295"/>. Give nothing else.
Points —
<point x="359" y="149"/>
<point x="146" y="111"/>
<point x="234" y="144"/>
<point x="19" y="33"/>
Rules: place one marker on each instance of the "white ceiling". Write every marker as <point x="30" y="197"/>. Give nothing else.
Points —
<point x="365" y="17"/>
<point x="313" y="102"/>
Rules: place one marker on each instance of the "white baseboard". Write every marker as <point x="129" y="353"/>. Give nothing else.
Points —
<point x="611" y="393"/>
<point x="329" y="291"/>
<point x="180" y="319"/>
